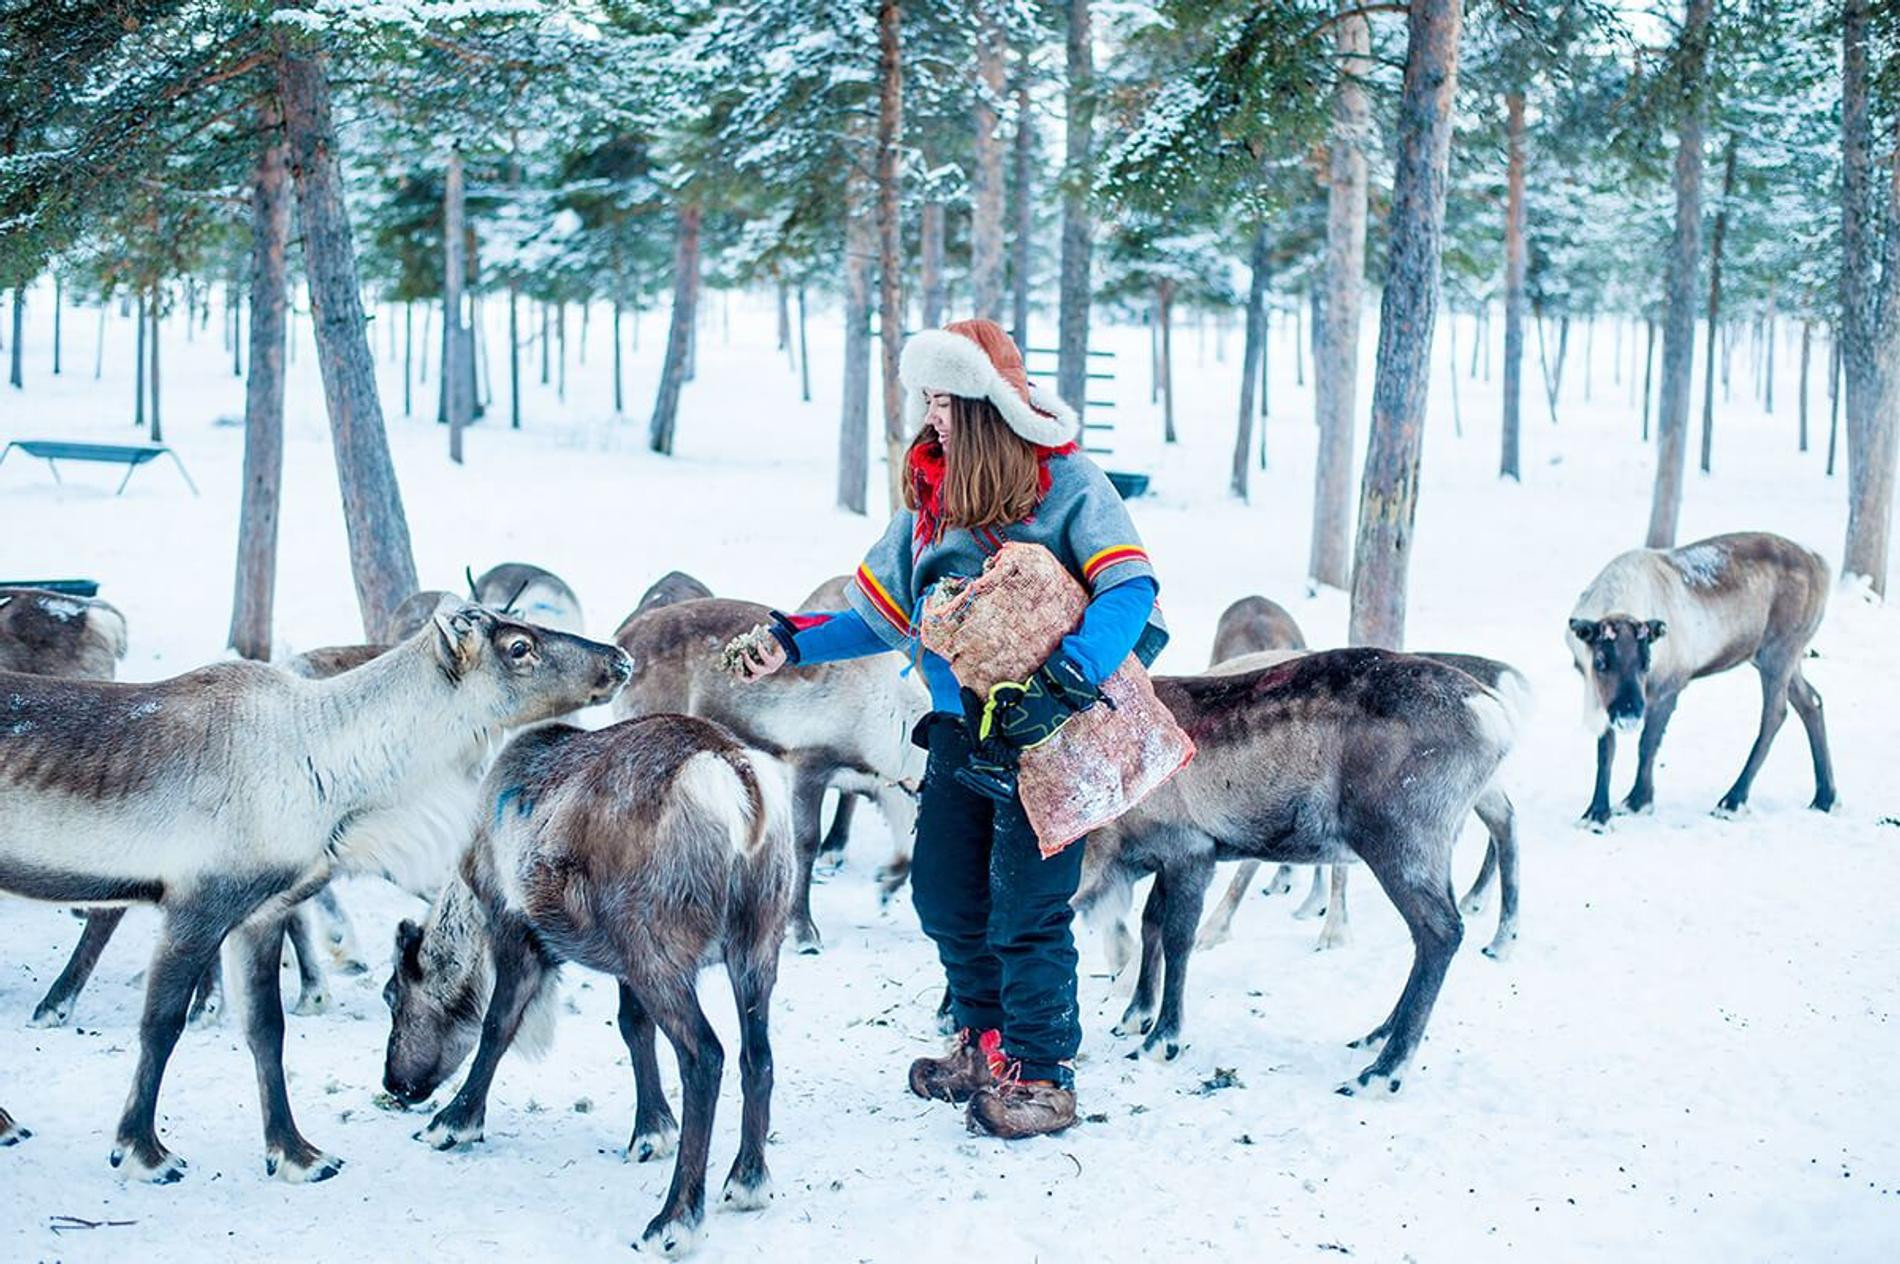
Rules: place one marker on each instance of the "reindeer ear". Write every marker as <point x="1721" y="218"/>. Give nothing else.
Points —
<point x="409" y="947"/>
<point x="456" y="640"/>
<point x="1653" y="630"/>
<point x="5" y="600"/>
<point x="1584" y="630"/>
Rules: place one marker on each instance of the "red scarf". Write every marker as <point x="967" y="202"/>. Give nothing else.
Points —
<point x="926" y="477"/>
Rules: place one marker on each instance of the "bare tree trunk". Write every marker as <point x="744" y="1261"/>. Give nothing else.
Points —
<point x="256" y="586"/>
<point x="1553" y="375"/>
<point x="1250" y="366"/>
<point x="1870" y="335"/>
<point x="986" y="179"/>
<point x="620" y="399"/>
<point x="1072" y="337"/>
<point x="15" y="378"/>
<point x="1509" y="461"/>
<point x="1336" y="326"/>
<point x="237" y="334"/>
<point x="422" y="365"/>
<point x="1388" y="497"/>
<point x="890" y="257"/>
<point x="804" y="350"/>
<point x="1313" y="301"/>
<point x="1672" y="411"/>
<point x="1164" y="312"/>
<point x="1768" y="367"/>
<point x="455" y="340"/>
<point x="158" y="422"/>
<point x="1649" y="364"/>
<point x="1833" y="400"/>
<point x="1025" y="208"/>
<point x="784" y="322"/>
<point x="1451" y="328"/>
<point x="560" y="337"/>
<point x="1715" y="302"/>
<point x="99" y="345"/>
<point x="408" y="349"/>
<point x="1801" y="392"/>
<point x="514" y="354"/>
<point x="931" y="260"/>
<point x="547" y="342"/>
<point x="380" y="558"/>
<point x="854" y="419"/>
<point x="679" y="331"/>
<point x="58" y="306"/>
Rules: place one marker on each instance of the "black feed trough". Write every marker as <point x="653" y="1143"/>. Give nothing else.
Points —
<point x="1129" y="485"/>
<point x="64" y="587"/>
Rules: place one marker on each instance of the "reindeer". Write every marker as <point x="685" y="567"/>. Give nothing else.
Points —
<point x="1326" y="758"/>
<point x="228" y="794"/>
<point x="674" y="586"/>
<point x="1654" y="620"/>
<point x="528" y="592"/>
<point x="50" y="634"/>
<point x="844" y="725"/>
<point x="645" y="850"/>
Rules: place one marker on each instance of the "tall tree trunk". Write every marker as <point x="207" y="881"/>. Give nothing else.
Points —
<point x="237" y="333"/>
<point x="890" y="258"/>
<point x="1833" y="400"/>
<point x="408" y="350"/>
<point x="1388" y="496"/>
<point x="1336" y="323"/>
<point x="804" y="350"/>
<point x="58" y="310"/>
<point x="1025" y="208"/>
<point x="455" y="341"/>
<point x="1801" y="393"/>
<point x="14" y="376"/>
<point x="854" y="418"/>
<point x="1768" y="368"/>
<point x="1072" y="318"/>
<point x="138" y="372"/>
<point x="1164" y="313"/>
<point x="547" y="341"/>
<point x="1685" y="247"/>
<point x="1259" y="262"/>
<point x="1451" y="329"/>
<point x="679" y="331"/>
<point x="930" y="260"/>
<point x="256" y="586"/>
<point x="620" y="399"/>
<point x="158" y="421"/>
<point x="986" y="179"/>
<point x="1649" y="365"/>
<point x="380" y="557"/>
<point x="1870" y="334"/>
<point x="560" y="335"/>
<point x="784" y="322"/>
<point x="1509" y="462"/>
<point x="514" y="354"/>
<point x="99" y="344"/>
<point x="1715" y="302"/>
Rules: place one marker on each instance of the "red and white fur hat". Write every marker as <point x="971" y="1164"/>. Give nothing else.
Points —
<point x="977" y="360"/>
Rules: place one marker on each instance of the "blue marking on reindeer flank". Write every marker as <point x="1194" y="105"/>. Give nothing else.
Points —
<point x="523" y="806"/>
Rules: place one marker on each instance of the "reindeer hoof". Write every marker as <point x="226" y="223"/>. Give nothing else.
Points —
<point x="209" y="1014"/>
<point x="1472" y="905"/>
<point x="52" y="1015"/>
<point x="1211" y="939"/>
<point x="1370" y="1083"/>
<point x="1159" y="1050"/>
<point x="1728" y="810"/>
<point x="1595" y="824"/>
<point x="311" y="1003"/>
<point x="1822" y="804"/>
<point x="670" y="1239"/>
<point x="305" y="1169"/>
<point x="648" y="1146"/>
<point x="1329" y="941"/>
<point x="442" y="1134"/>
<point x="1371" y="1039"/>
<point x="12" y="1134"/>
<point x="158" y="1166"/>
<point x="740" y="1196"/>
<point x="1133" y="1023"/>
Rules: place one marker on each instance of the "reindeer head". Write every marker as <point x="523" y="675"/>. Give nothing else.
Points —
<point x="437" y="994"/>
<point x="1613" y="654"/>
<point x="528" y="673"/>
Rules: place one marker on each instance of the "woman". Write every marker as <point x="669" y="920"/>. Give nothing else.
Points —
<point x="994" y="460"/>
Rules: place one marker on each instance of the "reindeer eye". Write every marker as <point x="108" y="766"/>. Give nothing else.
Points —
<point x="519" y="648"/>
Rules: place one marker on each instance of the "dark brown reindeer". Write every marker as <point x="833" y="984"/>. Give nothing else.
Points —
<point x="1346" y="754"/>
<point x="1654" y="620"/>
<point x="645" y="850"/>
<point x="839" y="725"/>
<point x="227" y="795"/>
<point x="669" y="589"/>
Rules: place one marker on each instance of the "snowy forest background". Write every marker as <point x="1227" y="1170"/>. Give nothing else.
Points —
<point x="1412" y="354"/>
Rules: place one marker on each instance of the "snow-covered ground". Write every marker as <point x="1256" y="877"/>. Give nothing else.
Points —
<point x="1681" y="1061"/>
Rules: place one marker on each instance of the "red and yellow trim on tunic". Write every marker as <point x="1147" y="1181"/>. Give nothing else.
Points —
<point x="882" y="601"/>
<point x="1113" y="556"/>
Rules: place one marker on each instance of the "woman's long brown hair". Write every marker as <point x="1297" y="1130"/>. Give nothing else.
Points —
<point x="992" y="475"/>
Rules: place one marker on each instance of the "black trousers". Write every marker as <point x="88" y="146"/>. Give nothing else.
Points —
<point x="997" y="911"/>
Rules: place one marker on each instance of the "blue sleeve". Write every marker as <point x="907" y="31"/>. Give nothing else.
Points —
<point x="1110" y="627"/>
<point x="833" y="636"/>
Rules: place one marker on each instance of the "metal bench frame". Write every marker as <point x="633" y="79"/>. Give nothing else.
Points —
<point x="102" y="453"/>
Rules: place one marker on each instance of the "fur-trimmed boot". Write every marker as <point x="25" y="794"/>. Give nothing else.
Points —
<point x="961" y="1073"/>
<point x="1013" y="1108"/>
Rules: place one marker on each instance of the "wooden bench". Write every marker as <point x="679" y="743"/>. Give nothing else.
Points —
<point x="53" y="451"/>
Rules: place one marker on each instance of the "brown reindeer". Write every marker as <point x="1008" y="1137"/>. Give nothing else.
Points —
<point x="645" y="850"/>
<point x="227" y="795"/>
<point x="842" y="725"/>
<point x="1654" y="620"/>
<point x="672" y="587"/>
<point x="1325" y="758"/>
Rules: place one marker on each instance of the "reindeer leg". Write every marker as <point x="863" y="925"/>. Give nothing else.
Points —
<point x="1138" y="1018"/>
<point x="1643" y="794"/>
<point x="1219" y="927"/>
<point x="654" y="1129"/>
<point x="808" y="796"/>
<point x="1281" y="883"/>
<point x="1597" y="815"/>
<point x="1494" y="808"/>
<point x="286" y="1154"/>
<point x="1188" y="880"/>
<point x="339" y="933"/>
<point x="1337" y="932"/>
<point x="898" y="806"/>
<point x="1774" y="710"/>
<point x="1315" y="902"/>
<point x="11" y="1133"/>
<point x="520" y="973"/>
<point x="57" y="1007"/>
<point x="675" y="1230"/>
<point x="831" y="850"/>
<point x="1416" y="877"/>
<point x="207" y="999"/>
<point x="749" y="1184"/>
<point x="1475" y="898"/>
<point x="187" y="947"/>
<point x="1807" y="705"/>
<point x="312" y="998"/>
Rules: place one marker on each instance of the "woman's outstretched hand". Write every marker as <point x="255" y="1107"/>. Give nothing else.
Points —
<point x="753" y="655"/>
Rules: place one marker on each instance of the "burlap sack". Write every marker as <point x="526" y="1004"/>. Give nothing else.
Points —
<point x="1003" y="626"/>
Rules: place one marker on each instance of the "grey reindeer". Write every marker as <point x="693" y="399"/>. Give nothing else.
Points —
<point x="843" y="726"/>
<point x="1345" y="754"/>
<point x="1654" y="620"/>
<point x="645" y="850"/>
<point x="227" y="795"/>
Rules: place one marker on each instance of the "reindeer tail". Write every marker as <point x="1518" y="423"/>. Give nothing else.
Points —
<point x="743" y="791"/>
